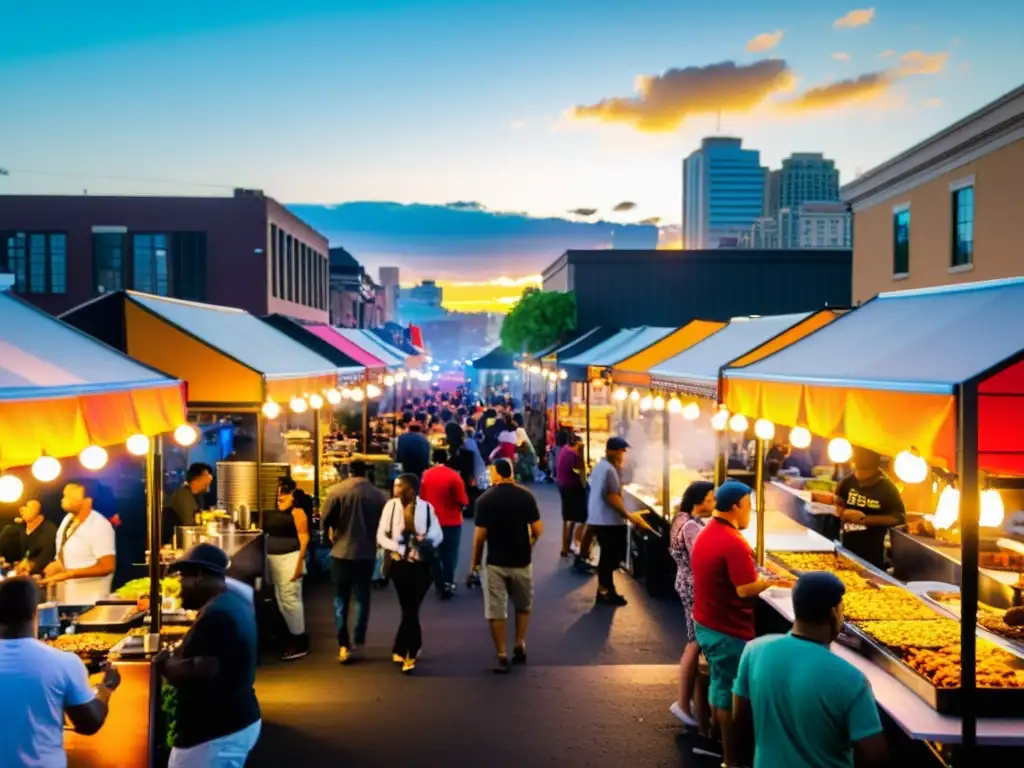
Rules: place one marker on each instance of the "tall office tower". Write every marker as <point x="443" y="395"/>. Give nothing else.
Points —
<point x="723" y="193"/>
<point x="807" y="177"/>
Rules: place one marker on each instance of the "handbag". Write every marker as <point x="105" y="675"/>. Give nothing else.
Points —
<point x="426" y="551"/>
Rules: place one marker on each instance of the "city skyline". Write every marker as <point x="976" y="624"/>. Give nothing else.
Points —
<point x="510" y="113"/>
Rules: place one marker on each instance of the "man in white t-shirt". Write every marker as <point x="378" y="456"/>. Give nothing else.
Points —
<point x="86" y="555"/>
<point x="39" y="685"/>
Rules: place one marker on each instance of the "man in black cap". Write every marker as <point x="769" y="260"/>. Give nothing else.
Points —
<point x="215" y="668"/>
<point x="796" y="702"/>
<point x="607" y="516"/>
<point x="869" y="504"/>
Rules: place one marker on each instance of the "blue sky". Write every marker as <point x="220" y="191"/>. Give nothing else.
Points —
<point x="432" y="102"/>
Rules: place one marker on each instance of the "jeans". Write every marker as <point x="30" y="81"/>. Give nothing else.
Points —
<point x="412" y="582"/>
<point x="287" y="591"/>
<point x="447" y="559"/>
<point x="229" y="751"/>
<point x="612" y="541"/>
<point x="348" y="577"/>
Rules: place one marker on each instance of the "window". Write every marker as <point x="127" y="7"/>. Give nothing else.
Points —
<point x="289" y="258"/>
<point x="58" y="263"/>
<point x="38" y="261"/>
<point x="108" y="260"/>
<point x="303" y="275"/>
<point x="281" y="275"/>
<point x="272" y="252"/>
<point x="17" y="259"/>
<point x="963" y="226"/>
<point x="187" y="266"/>
<point x="901" y="241"/>
<point x="150" y="264"/>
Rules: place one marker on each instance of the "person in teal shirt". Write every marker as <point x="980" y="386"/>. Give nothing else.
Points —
<point x="807" y="707"/>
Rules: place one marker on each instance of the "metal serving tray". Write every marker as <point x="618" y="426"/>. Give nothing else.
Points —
<point x="1016" y="647"/>
<point x="117" y="617"/>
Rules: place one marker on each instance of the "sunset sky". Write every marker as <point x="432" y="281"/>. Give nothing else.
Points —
<point x="536" y="110"/>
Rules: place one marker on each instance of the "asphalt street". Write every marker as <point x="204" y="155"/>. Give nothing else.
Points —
<point x="595" y="693"/>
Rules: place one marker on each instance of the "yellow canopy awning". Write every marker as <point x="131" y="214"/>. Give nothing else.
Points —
<point x="635" y="370"/>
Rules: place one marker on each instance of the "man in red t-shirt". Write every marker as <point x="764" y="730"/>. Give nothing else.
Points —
<point x="725" y="579"/>
<point x="444" y="488"/>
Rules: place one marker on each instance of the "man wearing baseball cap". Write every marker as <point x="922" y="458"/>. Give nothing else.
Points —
<point x="796" y="720"/>
<point x="215" y="668"/>
<point x="725" y="581"/>
<point x="607" y="516"/>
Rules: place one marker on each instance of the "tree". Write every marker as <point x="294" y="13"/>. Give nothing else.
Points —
<point x="538" y="320"/>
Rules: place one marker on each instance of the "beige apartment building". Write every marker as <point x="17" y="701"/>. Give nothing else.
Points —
<point x="949" y="210"/>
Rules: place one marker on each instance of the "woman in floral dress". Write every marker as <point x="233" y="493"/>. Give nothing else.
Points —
<point x="698" y="502"/>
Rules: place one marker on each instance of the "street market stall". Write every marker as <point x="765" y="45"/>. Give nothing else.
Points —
<point x="550" y="365"/>
<point x="67" y="402"/>
<point x="494" y="369"/>
<point x="935" y="379"/>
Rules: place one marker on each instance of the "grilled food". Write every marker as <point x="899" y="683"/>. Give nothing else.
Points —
<point x="887" y="603"/>
<point x="816" y="561"/>
<point x="995" y="668"/>
<point x="992" y="619"/>
<point x="167" y="630"/>
<point x="87" y="643"/>
<point x="921" y="633"/>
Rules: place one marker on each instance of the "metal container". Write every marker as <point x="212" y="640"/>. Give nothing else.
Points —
<point x="114" y="618"/>
<point x="236" y="485"/>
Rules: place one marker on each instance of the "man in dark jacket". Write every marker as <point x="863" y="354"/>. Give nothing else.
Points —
<point x="351" y="514"/>
<point x="413" y="451"/>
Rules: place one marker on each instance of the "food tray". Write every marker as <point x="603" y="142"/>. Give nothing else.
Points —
<point x="1012" y="640"/>
<point x="991" y="702"/>
<point x="115" y="617"/>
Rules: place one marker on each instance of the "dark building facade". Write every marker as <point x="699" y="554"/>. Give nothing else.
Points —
<point x="244" y="251"/>
<point x="356" y="301"/>
<point x="670" y="288"/>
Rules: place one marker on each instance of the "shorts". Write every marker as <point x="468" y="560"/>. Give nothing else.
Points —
<point x="723" y="654"/>
<point x="502" y="583"/>
<point x="574" y="504"/>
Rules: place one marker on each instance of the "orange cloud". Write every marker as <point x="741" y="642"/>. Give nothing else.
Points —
<point x="921" y="63"/>
<point x="855" y="18"/>
<point x="866" y="88"/>
<point x="765" y="41"/>
<point x="841" y="56"/>
<point x="664" y="102"/>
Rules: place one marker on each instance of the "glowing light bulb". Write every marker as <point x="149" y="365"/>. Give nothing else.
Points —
<point x="389" y="381"/>
<point x="800" y="437"/>
<point x="738" y="423"/>
<point x="45" y="469"/>
<point x="372" y="390"/>
<point x="764" y="429"/>
<point x="659" y="403"/>
<point x="646" y="403"/>
<point x="185" y="435"/>
<point x="839" y="450"/>
<point x="138" y="445"/>
<point x="400" y="377"/>
<point x="720" y="420"/>
<point x="357" y="395"/>
<point x="691" y="411"/>
<point x="11" y="489"/>
<point x="634" y="396"/>
<point x="992" y="510"/>
<point x="271" y="409"/>
<point x="910" y="467"/>
<point x="346" y="393"/>
<point x="563" y="375"/>
<point x="534" y="369"/>
<point x="333" y="396"/>
<point x="315" y="401"/>
<point x="675" y="405"/>
<point x="93" y="458"/>
<point x="621" y="394"/>
<point x="298" y="405"/>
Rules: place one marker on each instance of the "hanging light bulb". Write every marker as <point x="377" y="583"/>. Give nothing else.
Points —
<point x="910" y="467"/>
<point x="45" y="469"/>
<point x="316" y="401"/>
<point x="839" y="450"/>
<point x="11" y="489"/>
<point x="185" y="435"/>
<point x="646" y="402"/>
<point x="675" y="405"/>
<point x="720" y="420"/>
<point x="764" y="429"/>
<point x="400" y="377"/>
<point x="298" y="405"/>
<point x="93" y="457"/>
<point x="738" y="423"/>
<point x="634" y="396"/>
<point x="534" y="369"/>
<point x="389" y="380"/>
<point x="621" y="394"/>
<point x="563" y="375"/>
<point x="800" y="437"/>
<point x="346" y="393"/>
<point x="333" y="396"/>
<point x="691" y="411"/>
<point x="271" y="409"/>
<point x="357" y="395"/>
<point x="138" y="445"/>
<point x="947" y="511"/>
<point x="372" y="391"/>
<point x="659" y="403"/>
<point x="992" y="510"/>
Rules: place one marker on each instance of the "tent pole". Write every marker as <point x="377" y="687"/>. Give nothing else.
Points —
<point x="260" y="424"/>
<point x="759" y="483"/>
<point x="666" y="469"/>
<point x="366" y="413"/>
<point x="318" y="454"/>
<point x="970" y="499"/>
<point x="154" y="496"/>
<point x="586" y="398"/>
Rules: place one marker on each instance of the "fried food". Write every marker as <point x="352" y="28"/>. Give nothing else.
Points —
<point x="920" y="633"/>
<point x="87" y="642"/>
<point x="887" y="603"/>
<point x="167" y="630"/>
<point x="992" y="619"/>
<point x="1014" y="617"/>
<point x="995" y="667"/>
<point x="853" y="581"/>
<point x="816" y="561"/>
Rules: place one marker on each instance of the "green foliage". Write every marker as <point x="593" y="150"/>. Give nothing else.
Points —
<point x="538" y="320"/>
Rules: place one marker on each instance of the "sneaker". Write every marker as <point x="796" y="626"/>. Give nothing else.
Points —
<point x="684" y="718"/>
<point x="408" y="665"/>
<point x="582" y="566"/>
<point x="519" y="655"/>
<point x="291" y="654"/>
<point x="397" y="658"/>
<point x="611" y="598"/>
<point x="344" y="655"/>
<point x="447" y="593"/>
<point x="503" y="666"/>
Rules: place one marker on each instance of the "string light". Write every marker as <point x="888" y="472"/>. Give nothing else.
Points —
<point x="800" y="437"/>
<point x="634" y="396"/>
<point x="93" y="458"/>
<point x="11" y="489"/>
<point x="45" y="469"/>
<point x="315" y="401"/>
<point x="764" y="429"/>
<point x="910" y="467"/>
<point x="563" y="375"/>
<point x="271" y="409"/>
<point x="691" y="411"/>
<point x="839" y="450"/>
<point x="372" y="390"/>
<point x="646" y="403"/>
<point x="298" y="405"/>
<point x="720" y="420"/>
<point x="621" y="394"/>
<point x="389" y="381"/>
<point x="357" y="395"/>
<point x="675" y="405"/>
<point x="738" y="423"/>
<point x="185" y="435"/>
<point x="138" y="445"/>
<point x="659" y="403"/>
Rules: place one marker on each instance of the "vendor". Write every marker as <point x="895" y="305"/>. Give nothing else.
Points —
<point x="38" y="539"/>
<point x="86" y="554"/>
<point x="869" y="500"/>
<point x="185" y="503"/>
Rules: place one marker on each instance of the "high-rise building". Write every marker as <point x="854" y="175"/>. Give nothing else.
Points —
<point x="723" y="193"/>
<point x="389" y="281"/>
<point x="814" y="225"/>
<point x="421" y="303"/>
<point x="772" y="192"/>
<point x="807" y="177"/>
